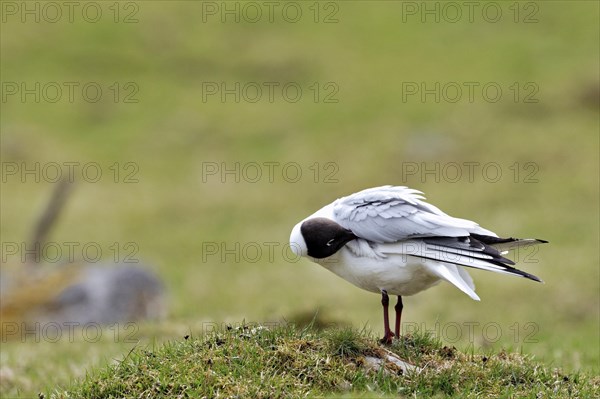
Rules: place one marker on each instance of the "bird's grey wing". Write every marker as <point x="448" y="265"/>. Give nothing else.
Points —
<point x="394" y="213"/>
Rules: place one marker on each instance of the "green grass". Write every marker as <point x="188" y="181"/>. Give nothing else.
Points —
<point x="368" y="135"/>
<point x="257" y="362"/>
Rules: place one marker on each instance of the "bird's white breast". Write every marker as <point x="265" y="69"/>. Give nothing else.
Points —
<point x="398" y="274"/>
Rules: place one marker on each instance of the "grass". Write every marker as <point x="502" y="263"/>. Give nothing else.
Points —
<point x="258" y="362"/>
<point x="370" y="135"/>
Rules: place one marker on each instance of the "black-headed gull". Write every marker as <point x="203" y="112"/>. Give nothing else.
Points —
<point x="388" y="240"/>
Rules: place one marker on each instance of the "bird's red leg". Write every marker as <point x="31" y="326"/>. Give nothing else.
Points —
<point x="388" y="334"/>
<point x="398" y="309"/>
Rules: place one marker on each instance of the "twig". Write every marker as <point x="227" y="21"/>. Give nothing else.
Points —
<point x="48" y="219"/>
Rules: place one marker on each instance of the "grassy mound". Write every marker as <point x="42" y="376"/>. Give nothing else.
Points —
<point x="256" y="362"/>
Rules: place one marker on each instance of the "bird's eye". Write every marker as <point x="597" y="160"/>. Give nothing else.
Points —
<point x="330" y="242"/>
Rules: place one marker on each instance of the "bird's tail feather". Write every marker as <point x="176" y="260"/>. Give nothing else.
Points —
<point x="453" y="275"/>
<point x="460" y="251"/>
<point x="506" y="244"/>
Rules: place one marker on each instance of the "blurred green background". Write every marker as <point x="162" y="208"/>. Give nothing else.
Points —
<point x="364" y="55"/>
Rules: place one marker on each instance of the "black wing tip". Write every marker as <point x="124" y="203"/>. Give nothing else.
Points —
<point x="516" y="272"/>
<point x="490" y="240"/>
<point x="502" y="261"/>
<point x="530" y="276"/>
<point x="535" y="278"/>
